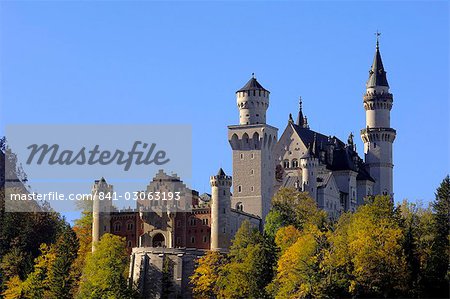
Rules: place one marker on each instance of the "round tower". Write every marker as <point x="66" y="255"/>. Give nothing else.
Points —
<point x="252" y="101"/>
<point x="378" y="136"/>
<point x="309" y="164"/>
<point x="220" y="210"/>
<point x="101" y="208"/>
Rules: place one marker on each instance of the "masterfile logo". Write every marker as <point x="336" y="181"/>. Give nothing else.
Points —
<point x="54" y="156"/>
<point x="67" y="160"/>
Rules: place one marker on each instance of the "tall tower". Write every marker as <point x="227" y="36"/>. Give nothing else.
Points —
<point x="101" y="209"/>
<point x="252" y="142"/>
<point x="220" y="210"/>
<point x="378" y="136"/>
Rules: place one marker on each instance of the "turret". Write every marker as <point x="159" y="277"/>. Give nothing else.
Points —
<point x="252" y="101"/>
<point x="101" y="208"/>
<point x="309" y="164"/>
<point x="220" y="210"/>
<point x="378" y="136"/>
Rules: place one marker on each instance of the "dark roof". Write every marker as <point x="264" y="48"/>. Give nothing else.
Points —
<point x="252" y="84"/>
<point x="307" y="136"/>
<point x="342" y="160"/>
<point x="377" y="75"/>
<point x="343" y="156"/>
<point x="221" y="172"/>
<point x="363" y="174"/>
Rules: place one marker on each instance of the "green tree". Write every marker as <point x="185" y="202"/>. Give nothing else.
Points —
<point x="104" y="275"/>
<point x="274" y="220"/>
<point x="60" y="272"/>
<point x="248" y="272"/>
<point x="440" y="272"/>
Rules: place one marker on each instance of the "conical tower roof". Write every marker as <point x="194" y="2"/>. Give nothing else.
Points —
<point x="377" y="74"/>
<point x="252" y="84"/>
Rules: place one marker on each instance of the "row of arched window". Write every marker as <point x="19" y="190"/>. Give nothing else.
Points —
<point x="118" y="226"/>
<point x="290" y="164"/>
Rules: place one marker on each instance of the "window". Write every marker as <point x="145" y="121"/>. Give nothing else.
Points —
<point x="242" y="156"/>
<point x="192" y="221"/>
<point x="178" y="223"/>
<point x="252" y="172"/>
<point x="117" y="227"/>
<point x="192" y="239"/>
<point x="129" y="244"/>
<point x="295" y="163"/>
<point x="179" y="240"/>
<point x="239" y="188"/>
<point x="130" y="226"/>
<point x="252" y="188"/>
<point x="205" y="239"/>
<point x="285" y="164"/>
<point x="205" y="221"/>
<point x="252" y="156"/>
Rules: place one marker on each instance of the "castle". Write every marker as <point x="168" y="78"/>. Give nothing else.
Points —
<point x="330" y="170"/>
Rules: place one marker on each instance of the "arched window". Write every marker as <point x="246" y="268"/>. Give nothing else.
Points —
<point x="130" y="226"/>
<point x="117" y="226"/>
<point x="286" y="164"/>
<point x="239" y="188"/>
<point x="294" y="163"/>
<point x="192" y="221"/>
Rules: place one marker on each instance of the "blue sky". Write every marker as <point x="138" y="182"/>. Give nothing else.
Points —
<point x="181" y="62"/>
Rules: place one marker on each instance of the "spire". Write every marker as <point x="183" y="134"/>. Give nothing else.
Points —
<point x="300" y="118"/>
<point x="314" y="145"/>
<point x="377" y="75"/>
<point x="291" y="120"/>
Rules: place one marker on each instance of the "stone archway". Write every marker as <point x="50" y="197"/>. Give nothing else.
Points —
<point x="158" y="240"/>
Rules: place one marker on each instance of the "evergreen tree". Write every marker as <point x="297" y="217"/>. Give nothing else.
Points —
<point x="439" y="280"/>
<point x="60" y="278"/>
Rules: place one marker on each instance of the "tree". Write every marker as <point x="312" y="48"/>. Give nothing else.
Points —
<point x="206" y="275"/>
<point x="375" y="249"/>
<point x="83" y="231"/>
<point x="274" y="220"/>
<point x="104" y="275"/>
<point x="59" y="276"/>
<point x="248" y="272"/>
<point x="439" y="266"/>
<point x="299" y="272"/>
<point x="286" y="237"/>
<point x="297" y="209"/>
